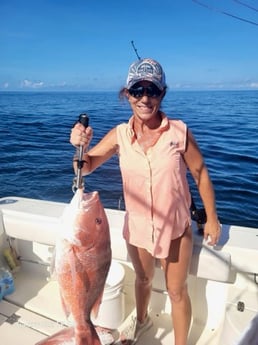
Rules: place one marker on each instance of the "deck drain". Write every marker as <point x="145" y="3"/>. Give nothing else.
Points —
<point x="240" y="306"/>
<point x="13" y="319"/>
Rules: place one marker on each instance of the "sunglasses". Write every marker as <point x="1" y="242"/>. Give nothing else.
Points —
<point x="150" y="91"/>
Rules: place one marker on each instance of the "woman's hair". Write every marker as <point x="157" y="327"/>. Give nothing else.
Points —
<point x="122" y="93"/>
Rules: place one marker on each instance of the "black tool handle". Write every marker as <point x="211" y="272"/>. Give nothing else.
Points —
<point x="84" y="120"/>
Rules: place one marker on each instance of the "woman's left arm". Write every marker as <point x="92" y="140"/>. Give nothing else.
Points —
<point x="195" y="162"/>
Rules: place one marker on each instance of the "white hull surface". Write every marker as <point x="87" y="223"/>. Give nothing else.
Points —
<point x="223" y="281"/>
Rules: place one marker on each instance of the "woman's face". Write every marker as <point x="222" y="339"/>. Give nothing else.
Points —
<point x="145" y="99"/>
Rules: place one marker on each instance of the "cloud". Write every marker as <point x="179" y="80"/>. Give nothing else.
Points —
<point x="6" y="85"/>
<point x="220" y="85"/>
<point x="254" y="85"/>
<point x="32" y="84"/>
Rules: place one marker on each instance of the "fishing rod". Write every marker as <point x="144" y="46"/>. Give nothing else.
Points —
<point x="78" y="181"/>
<point x="135" y="50"/>
<point x="246" y="5"/>
<point x="216" y="9"/>
<point x="198" y="215"/>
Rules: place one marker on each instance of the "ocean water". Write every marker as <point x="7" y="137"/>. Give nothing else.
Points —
<point x="36" y="156"/>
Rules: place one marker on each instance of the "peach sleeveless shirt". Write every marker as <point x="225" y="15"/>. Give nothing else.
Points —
<point x="155" y="186"/>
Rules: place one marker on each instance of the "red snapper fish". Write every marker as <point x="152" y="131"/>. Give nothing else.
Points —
<point x="83" y="258"/>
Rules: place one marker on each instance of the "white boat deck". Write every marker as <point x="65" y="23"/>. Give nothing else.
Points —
<point x="34" y="311"/>
<point x="220" y="279"/>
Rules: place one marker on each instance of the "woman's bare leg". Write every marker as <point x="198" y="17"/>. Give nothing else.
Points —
<point x="176" y="267"/>
<point x="143" y="264"/>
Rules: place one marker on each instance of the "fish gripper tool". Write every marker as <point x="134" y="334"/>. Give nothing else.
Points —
<point x="78" y="180"/>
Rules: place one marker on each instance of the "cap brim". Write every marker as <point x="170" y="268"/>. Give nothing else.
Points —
<point x="155" y="82"/>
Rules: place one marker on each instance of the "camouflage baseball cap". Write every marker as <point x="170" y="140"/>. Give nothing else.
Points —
<point x="146" y="69"/>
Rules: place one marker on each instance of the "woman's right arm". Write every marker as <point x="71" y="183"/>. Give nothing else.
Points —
<point x="105" y="149"/>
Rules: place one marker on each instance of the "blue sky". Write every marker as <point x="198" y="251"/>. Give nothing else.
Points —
<point x="86" y="45"/>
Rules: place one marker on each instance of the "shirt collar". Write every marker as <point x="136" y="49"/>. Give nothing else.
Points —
<point x="163" y="126"/>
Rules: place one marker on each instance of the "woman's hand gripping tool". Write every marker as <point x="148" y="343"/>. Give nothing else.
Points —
<point x="78" y="180"/>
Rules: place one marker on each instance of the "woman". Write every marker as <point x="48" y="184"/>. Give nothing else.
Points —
<point x="154" y="155"/>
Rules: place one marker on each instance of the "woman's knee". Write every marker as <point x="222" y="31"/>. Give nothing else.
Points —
<point x="177" y="295"/>
<point x="144" y="280"/>
<point x="143" y="263"/>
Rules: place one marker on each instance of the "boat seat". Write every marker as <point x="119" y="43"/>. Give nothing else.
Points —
<point x="209" y="263"/>
<point x="36" y="230"/>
